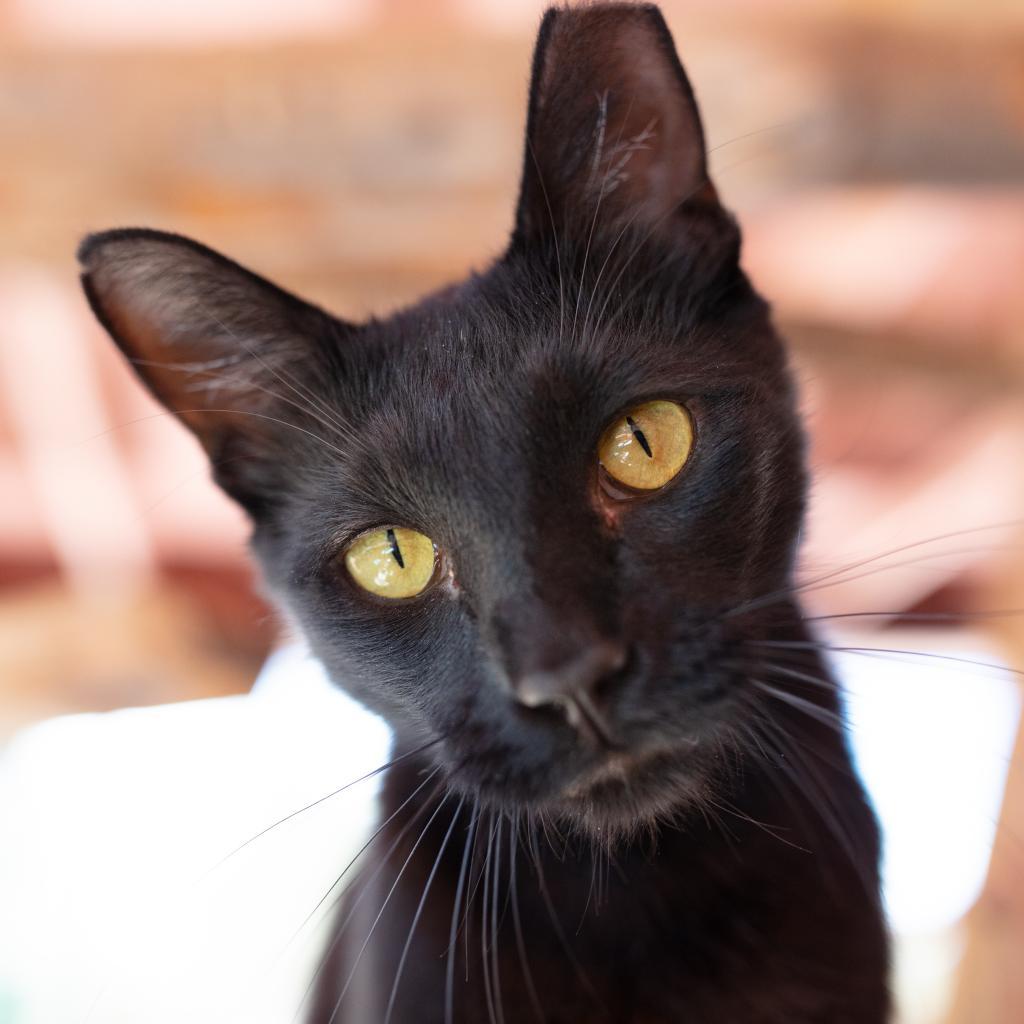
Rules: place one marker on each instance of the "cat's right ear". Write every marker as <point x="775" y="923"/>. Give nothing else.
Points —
<point x="226" y="351"/>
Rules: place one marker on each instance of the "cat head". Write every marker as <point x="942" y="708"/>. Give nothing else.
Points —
<point x="518" y="517"/>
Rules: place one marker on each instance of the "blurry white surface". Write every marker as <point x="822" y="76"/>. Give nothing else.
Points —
<point x="110" y="826"/>
<point x="933" y="739"/>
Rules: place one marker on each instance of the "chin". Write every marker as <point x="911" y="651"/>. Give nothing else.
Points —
<point x="629" y="794"/>
<point x="611" y="799"/>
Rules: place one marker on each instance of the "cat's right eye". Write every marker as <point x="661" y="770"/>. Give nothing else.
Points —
<point x="392" y="561"/>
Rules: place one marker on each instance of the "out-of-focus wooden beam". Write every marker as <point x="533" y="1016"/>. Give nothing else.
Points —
<point x="367" y="166"/>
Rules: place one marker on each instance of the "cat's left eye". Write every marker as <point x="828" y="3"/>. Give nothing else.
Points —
<point x="647" y="446"/>
<point x="392" y="561"/>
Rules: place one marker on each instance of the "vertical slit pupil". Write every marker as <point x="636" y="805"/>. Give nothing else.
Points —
<point x="640" y="437"/>
<point x="395" y="549"/>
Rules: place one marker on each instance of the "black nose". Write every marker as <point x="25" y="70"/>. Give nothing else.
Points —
<point x="574" y="685"/>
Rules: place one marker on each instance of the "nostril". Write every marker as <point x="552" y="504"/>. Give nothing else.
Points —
<point x="576" y="689"/>
<point x="614" y="657"/>
<point x="589" y="671"/>
<point x="617" y="670"/>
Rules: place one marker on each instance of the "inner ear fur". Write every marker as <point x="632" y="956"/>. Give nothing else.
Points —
<point x="613" y="132"/>
<point x="221" y="347"/>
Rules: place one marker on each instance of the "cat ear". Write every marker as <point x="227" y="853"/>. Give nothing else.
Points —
<point x="613" y="132"/>
<point x="220" y="347"/>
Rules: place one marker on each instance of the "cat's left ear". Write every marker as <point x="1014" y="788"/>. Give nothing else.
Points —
<point x="613" y="134"/>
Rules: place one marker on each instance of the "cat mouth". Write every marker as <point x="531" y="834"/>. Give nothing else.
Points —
<point x="623" y="775"/>
<point x="617" y="767"/>
<point x="583" y="715"/>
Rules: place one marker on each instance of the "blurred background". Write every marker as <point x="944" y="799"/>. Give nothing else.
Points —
<point x="361" y="152"/>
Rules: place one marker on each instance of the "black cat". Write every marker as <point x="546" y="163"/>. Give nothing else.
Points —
<point x="544" y="522"/>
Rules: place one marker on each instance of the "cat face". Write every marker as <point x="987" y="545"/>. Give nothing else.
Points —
<point x="519" y="517"/>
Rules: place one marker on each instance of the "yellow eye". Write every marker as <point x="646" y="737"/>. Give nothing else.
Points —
<point x="648" y="446"/>
<point x="391" y="562"/>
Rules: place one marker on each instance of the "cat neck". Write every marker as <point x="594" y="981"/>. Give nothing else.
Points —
<point x="489" y="909"/>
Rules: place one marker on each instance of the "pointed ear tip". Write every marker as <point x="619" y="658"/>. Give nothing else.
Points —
<point x="603" y="10"/>
<point x="87" y="250"/>
<point x="647" y="16"/>
<point x="90" y="248"/>
<point x="603" y="21"/>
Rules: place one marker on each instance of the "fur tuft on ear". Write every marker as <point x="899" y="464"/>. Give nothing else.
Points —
<point x="613" y="133"/>
<point x="219" y="346"/>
